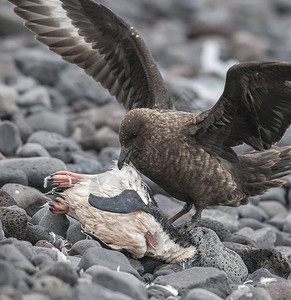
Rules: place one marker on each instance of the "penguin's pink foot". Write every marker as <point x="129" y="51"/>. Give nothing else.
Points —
<point x="58" y="206"/>
<point x="65" y="178"/>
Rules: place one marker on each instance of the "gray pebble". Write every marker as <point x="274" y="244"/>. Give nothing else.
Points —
<point x="257" y="277"/>
<point x="80" y="247"/>
<point x="272" y="208"/>
<point x="35" y="95"/>
<point x="207" y="278"/>
<point x="214" y="254"/>
<point x="278" y="220"/>
<point x="52" y="286"/>
<point x="74" y="233"/>
<point x="111" y="259"/>
<point x="55" y="223"/>
<point x="8" y="98"/>
<point x="32" y="150"/>
<point x="24" y="129"/>
<point x="35" y="296"/>
<point x="108" y="155"/>
<point x="12" y="175"/>
<point x="14" y="220"/>
<point x="263" y="238"/>
<point x="200" y="294"/>
<point x="36" y="233"/>
<point x="251" y="223"/>
<point x="10" y="138"/>
<point x="229" y="221"/>
<point x="287" y="224"/>
<point x="252" y="211"/>
<point x="28" y="198"/>
<point x="57" y="145"/>
<point x="40" y="64"/>
<point x="88" y="165"/>
<point x="279" y="290"/>
<point x="50" y="122"/>
<point x="39" y="214"/>
<point x="274" y="194"/>
<point x="93" y="291"/>
<point x="61" y="270"/>
<point x="14" y="256"/>
<point x="286" y="251"/>
<point x="122" y="282"/>
<point x="35" y="168"/>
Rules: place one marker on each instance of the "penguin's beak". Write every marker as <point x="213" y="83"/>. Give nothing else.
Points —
<point x="124" y="156"/>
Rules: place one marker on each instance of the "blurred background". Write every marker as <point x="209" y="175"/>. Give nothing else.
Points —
<point x="194" y="42"/>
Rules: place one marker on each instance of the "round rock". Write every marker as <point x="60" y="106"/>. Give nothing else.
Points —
<point x="12" y="175"/>
<point x="32" y="150"/>
<point x="10" y="138"/>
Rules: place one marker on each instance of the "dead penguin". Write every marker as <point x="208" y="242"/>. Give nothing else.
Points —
<point x="117" y="207"/>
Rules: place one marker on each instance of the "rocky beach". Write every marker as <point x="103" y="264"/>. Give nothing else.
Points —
<point x="55" y="117"/>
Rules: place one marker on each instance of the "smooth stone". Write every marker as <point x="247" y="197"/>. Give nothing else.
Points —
<point x="287" y="224"/>
<point x="32" y="150"/>
<point x="274" y="195"/>
<point x="81" y="86"/>
<point x="13" y="255"/>
<point x="251" y="223"/>
<point x="24" y="129"/>
<point x="263" y="238"/>
<point x="8" y="99"/>
<point x="226" y="219"/>
<point x="9" y="274"/>
<point x="207" y="278"/>
<point x="121" y="282"/>
<point x="14" y="220"/>
<point x="52" y="286"/>
<point x="50" y="122"/>
<point x="36" y="233"/>
<point x="255" y="259"/>
<point x="12" y="175"/>
<point x="61" y="270"/>
<point x="55" y="223"/>
<point x="28" y="198"/>
<point x="80" y="247"/>
<point x="50" y="252"/>
<point x="6" y="200"/>
<point x="252" y="211"/>
<point x="57" y="145"/>
<point x="34" y="96"/>
<point x="109" y="115"/>
<point x="73" y="261"/>
<point x="40" y="64"/>
<point x="272" y="208"/>
<point x="74" y="233"/>
<point x="35" y="168"/>
<point x="87" y="165"/>
<point x="93" y="291"/>
<point x="10" y="138"/>
<point x="35" y="219"/>
<point x="108" y="258"/>
<point x="200" y="294"/>
<point x="278" y="220"/>
<point x="212" y="253"/>
<point x="26" y="249"/>
<point x="23" y="83"/>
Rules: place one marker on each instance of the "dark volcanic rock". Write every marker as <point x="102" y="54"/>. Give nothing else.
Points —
<point x="80" y="247"/>
<point x="255" y="259"/>
<point x="6" y="199"/>
<point x="14" y="221"/>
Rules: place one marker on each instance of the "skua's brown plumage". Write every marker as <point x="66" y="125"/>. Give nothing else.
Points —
<point x="189" y="155"/>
